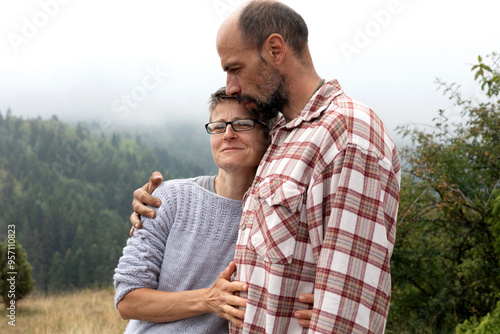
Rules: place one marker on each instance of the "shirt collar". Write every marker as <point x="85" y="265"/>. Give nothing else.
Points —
<point x="318" y="103"/>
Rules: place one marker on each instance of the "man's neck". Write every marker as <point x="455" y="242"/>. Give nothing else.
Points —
<point x="300" y="90"/>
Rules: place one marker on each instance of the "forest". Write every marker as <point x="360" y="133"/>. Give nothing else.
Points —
<point x="68" y="191"/>
<point x="68" y="188"/>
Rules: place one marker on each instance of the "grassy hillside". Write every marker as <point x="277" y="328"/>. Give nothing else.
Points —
<point x="82" y="312"/>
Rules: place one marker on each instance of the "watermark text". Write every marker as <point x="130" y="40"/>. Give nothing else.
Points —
<point x="11" y="274"/>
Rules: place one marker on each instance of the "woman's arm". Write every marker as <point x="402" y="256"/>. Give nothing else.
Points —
<point x="160" y="306"/>
<point x="163" y="306"/>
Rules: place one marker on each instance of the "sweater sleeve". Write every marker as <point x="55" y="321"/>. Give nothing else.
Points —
<point x="140" y="264"/>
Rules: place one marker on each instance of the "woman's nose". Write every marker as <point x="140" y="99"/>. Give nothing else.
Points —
<point x="230" y="133"/>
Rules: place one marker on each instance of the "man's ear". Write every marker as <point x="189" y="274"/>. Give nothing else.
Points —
<point x="276" y="48"/>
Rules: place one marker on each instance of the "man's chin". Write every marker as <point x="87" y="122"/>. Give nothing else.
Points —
<point x="267" y="111"/>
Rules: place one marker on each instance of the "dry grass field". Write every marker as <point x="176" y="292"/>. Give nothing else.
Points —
<point x="86" y="312"/>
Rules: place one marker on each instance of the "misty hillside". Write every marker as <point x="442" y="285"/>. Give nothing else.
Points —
<point x="186" y="140"/>
<point x="67" y="189"/>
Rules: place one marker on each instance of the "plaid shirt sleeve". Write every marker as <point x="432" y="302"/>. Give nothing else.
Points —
<point x="353" y="282"/>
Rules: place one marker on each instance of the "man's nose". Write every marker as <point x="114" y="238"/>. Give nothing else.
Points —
<point x="232" y="86"/>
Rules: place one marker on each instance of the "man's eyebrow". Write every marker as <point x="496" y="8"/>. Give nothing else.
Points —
<point x="228" y="66"/>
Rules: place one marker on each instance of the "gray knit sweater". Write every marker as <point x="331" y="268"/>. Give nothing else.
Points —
<point x="186" y="247"/>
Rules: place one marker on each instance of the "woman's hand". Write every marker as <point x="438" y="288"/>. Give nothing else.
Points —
<point x="304" y="316"/>
<point x="221" y="300"/>
<point x="142" y="198"/>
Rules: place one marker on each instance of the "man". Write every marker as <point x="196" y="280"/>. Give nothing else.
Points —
<point x="321" y="214"/>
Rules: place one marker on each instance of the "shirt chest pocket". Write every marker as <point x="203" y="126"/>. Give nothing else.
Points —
<point x="274" y="231"/>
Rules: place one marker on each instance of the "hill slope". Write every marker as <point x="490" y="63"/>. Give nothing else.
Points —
<point x="68" y="190"/>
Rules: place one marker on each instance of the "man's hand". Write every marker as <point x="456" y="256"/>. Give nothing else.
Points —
<point x="142" y="198"/>
<point x="305" y="315"/>
<point x="222" y="301"/>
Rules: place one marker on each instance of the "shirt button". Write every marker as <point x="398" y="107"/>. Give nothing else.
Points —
<point x="243" y="226"/>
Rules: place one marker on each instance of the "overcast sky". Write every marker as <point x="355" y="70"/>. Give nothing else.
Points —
<point x="149" y="62"/>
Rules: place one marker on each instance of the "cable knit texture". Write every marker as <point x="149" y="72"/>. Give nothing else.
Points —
<point x="186" y="247"/>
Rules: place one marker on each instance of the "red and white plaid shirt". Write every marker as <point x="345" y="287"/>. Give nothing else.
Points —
<point x="321" y="216"/>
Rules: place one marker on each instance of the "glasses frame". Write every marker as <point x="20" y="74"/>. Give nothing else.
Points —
<point x="236" y="120"/>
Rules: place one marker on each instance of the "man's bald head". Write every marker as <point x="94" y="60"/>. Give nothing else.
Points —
<point x="258" y="19"/>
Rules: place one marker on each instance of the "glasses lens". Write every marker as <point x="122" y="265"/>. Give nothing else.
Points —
<point x="243" y="124"/>
<point x="216" y="127"/>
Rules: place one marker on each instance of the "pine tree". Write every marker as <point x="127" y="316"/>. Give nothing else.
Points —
<point x="16" y="281"/>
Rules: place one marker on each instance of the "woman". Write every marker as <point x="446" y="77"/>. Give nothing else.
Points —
<point x="167" y="272"/>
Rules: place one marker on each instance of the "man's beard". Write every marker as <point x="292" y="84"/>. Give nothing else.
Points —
<point x="271" y="96"/>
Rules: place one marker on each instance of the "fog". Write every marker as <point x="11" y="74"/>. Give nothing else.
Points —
<point x="146" y="63"/>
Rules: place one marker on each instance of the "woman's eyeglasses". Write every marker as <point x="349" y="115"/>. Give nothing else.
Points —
<point x="238" y="125"/>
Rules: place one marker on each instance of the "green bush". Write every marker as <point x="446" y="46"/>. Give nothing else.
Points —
<point x="487" y="325"/>
<point x="16" y="281"/>
<point x="446" y="261"/>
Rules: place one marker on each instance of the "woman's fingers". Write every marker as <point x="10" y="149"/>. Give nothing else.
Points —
<point x="305" y="316"/>
<point x="307" y="298"/>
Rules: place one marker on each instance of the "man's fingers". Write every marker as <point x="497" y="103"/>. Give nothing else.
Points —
<point x="142" y="198"/>
<point x="135" y="220"/>
<point x="155" y="180"/>
<point x="141" y="209"/>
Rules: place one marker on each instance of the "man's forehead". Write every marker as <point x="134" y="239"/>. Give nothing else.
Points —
<point x="229" y="24"/>
<point x="228" y="34"/>
<point x="230" y="47"/>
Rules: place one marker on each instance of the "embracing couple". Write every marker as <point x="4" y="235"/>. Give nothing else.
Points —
<point x="303" y="208"/>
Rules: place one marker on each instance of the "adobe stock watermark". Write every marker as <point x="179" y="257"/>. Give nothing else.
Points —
<point x="74" y="155"/>
<point x="31" y="27"/>
<point x="11" y="275"/>
<point x="364" y="35"/>
<point x="224" y="8"/>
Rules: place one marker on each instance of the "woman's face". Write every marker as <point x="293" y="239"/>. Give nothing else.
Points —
<point x="235" y="151"/>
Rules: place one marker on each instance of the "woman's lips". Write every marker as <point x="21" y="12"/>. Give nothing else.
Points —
<point x="231" y="149"/>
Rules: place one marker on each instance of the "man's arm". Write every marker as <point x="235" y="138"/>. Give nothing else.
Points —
<point x="353" y="282"/>
<point x="142" y="198"/>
